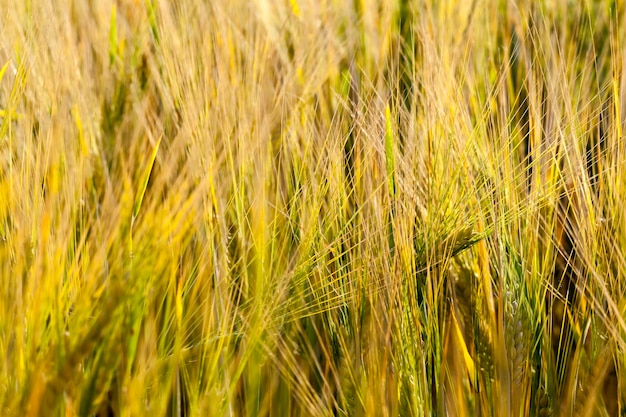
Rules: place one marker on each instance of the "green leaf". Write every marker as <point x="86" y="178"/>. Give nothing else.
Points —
<point x="113" y="46"/>
<point x="144" y="182"/>
<point x="152" y="19"/>
<point x="3" y="70"/>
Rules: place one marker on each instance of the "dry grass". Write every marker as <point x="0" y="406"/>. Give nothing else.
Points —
<point x="302" y="207"/>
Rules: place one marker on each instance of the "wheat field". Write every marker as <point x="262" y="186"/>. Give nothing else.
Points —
<point x="312" y="208"/>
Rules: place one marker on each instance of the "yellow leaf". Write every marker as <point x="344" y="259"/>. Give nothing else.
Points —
<point x="295" y="8"/>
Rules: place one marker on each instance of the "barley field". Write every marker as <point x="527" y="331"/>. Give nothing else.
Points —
<point x="312" y="208"/>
